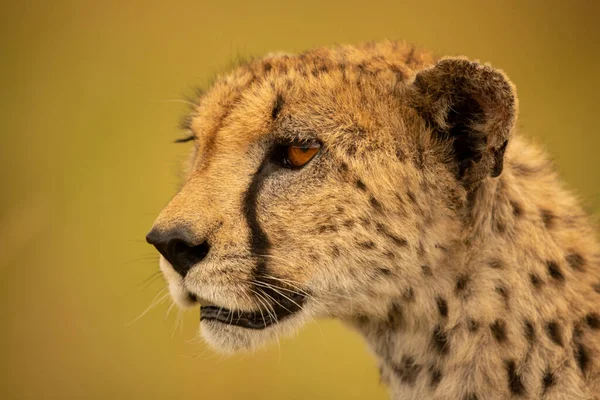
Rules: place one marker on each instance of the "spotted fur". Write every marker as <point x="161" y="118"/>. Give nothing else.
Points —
<point x="426" y="222"/>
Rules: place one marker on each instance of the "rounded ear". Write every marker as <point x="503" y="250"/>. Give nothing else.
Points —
<point x="473" y="106"/>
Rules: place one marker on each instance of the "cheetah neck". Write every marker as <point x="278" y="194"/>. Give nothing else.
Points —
<point x="510" y="309"/>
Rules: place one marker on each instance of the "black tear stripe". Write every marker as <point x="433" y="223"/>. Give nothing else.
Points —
<point x="259" y="241"/>
<point x="260" y="246"/>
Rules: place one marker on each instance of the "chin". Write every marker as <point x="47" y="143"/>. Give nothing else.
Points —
<point x="233" y="336"/>
<point x="227" y="328"/>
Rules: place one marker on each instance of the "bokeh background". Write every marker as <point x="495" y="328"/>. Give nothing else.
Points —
<point x="90" y="102"/>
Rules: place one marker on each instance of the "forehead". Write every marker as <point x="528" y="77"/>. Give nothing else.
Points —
<point x="316" y="90"/>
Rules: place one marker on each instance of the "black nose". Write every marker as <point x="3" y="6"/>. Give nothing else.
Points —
<point x="179" y="251"/>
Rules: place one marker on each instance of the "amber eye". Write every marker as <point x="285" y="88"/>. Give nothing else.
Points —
<point x="298" y="155"/>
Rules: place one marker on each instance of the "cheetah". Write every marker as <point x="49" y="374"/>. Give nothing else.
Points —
<point x="388" y="188"/>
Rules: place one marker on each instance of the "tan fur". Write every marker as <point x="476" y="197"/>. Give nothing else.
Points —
<point x="465" y="285"/>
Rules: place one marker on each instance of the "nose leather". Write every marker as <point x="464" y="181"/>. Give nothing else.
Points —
<point x="178" y="249"/>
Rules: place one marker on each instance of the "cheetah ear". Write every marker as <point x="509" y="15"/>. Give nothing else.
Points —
<point x="473" y="106"/>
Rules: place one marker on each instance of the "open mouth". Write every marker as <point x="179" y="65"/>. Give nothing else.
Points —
<point x="281" y="308"/>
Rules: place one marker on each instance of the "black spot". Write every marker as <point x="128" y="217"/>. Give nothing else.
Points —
<point x="367" y="244"/>
<point x="442" y="306"/>
<point x="496" y="264"/>
<point x="461" y="282"/>
<point x="517" y="209"/>
<point x="535" y="279"/>
<point x="351" y="149"/>
<point x="408" y="370"/>
<point x="576" y="261"/>
<point x="471" y="396"/>
<point x="385" y="271"/>
<point x="277" y="106"/>
<point x="426" y="270"/>
<point x="498" y="328"/>
<point x="400" y="155"/>
<point x="596" y="287"/>
<point x="554" y="332"/>
<point x="344" y="167"/>
<point x="503" y="292"/>
<point x="366" y="222"/>
<point x="515" y="384"/>
<point x="435" y="376"/>
<point x="335" y="250"/>
<point x="349" y="223"/>
<point x="360" y="184"/>
<point x="554" y="271"/>
<point x="398" y="241"/>
<point x="412" y="197"/>
<point x="395" y="317"/>
<point x="327" y="228"/>
<point x="548" y="218"/>
<point x="529" y="331"/>
<point x="376" y="204"/>
<point x="323" y="68"/>
<point x="440" y="340"/>
<point x="499" y="226"/>
<point x="472" y="325"/>
<point x="409" y="294"/>
<point x="548" y="380"/>
<point x="582" y="357"/>
<point x="593" y="320"/>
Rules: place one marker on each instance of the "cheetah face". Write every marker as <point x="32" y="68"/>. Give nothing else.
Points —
<point x="305" y="195"/>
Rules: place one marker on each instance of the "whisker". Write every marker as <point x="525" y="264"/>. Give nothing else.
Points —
<point x="260" y="310"/>
<point x="268" y="307"/>
<point x="292" y="282"/>
<point x="169" y="309"/>
<point x="156" y="300"/>
<point x="278" y="291"/>
<point x="150" y="280"/>
<point x="178" y="320"/>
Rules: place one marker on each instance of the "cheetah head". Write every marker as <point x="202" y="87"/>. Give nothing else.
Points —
<point x="321" y="184"/>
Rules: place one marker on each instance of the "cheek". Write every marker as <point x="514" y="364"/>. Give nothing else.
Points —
<point x="313" y="233"/>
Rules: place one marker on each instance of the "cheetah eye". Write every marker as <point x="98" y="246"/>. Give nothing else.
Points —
<point x="296" y="155"/>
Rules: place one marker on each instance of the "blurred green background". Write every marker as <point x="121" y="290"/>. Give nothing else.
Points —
<point x="89" y="110"/>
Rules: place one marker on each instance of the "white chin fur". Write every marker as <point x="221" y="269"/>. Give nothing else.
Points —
<point x="230" y="339"/>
